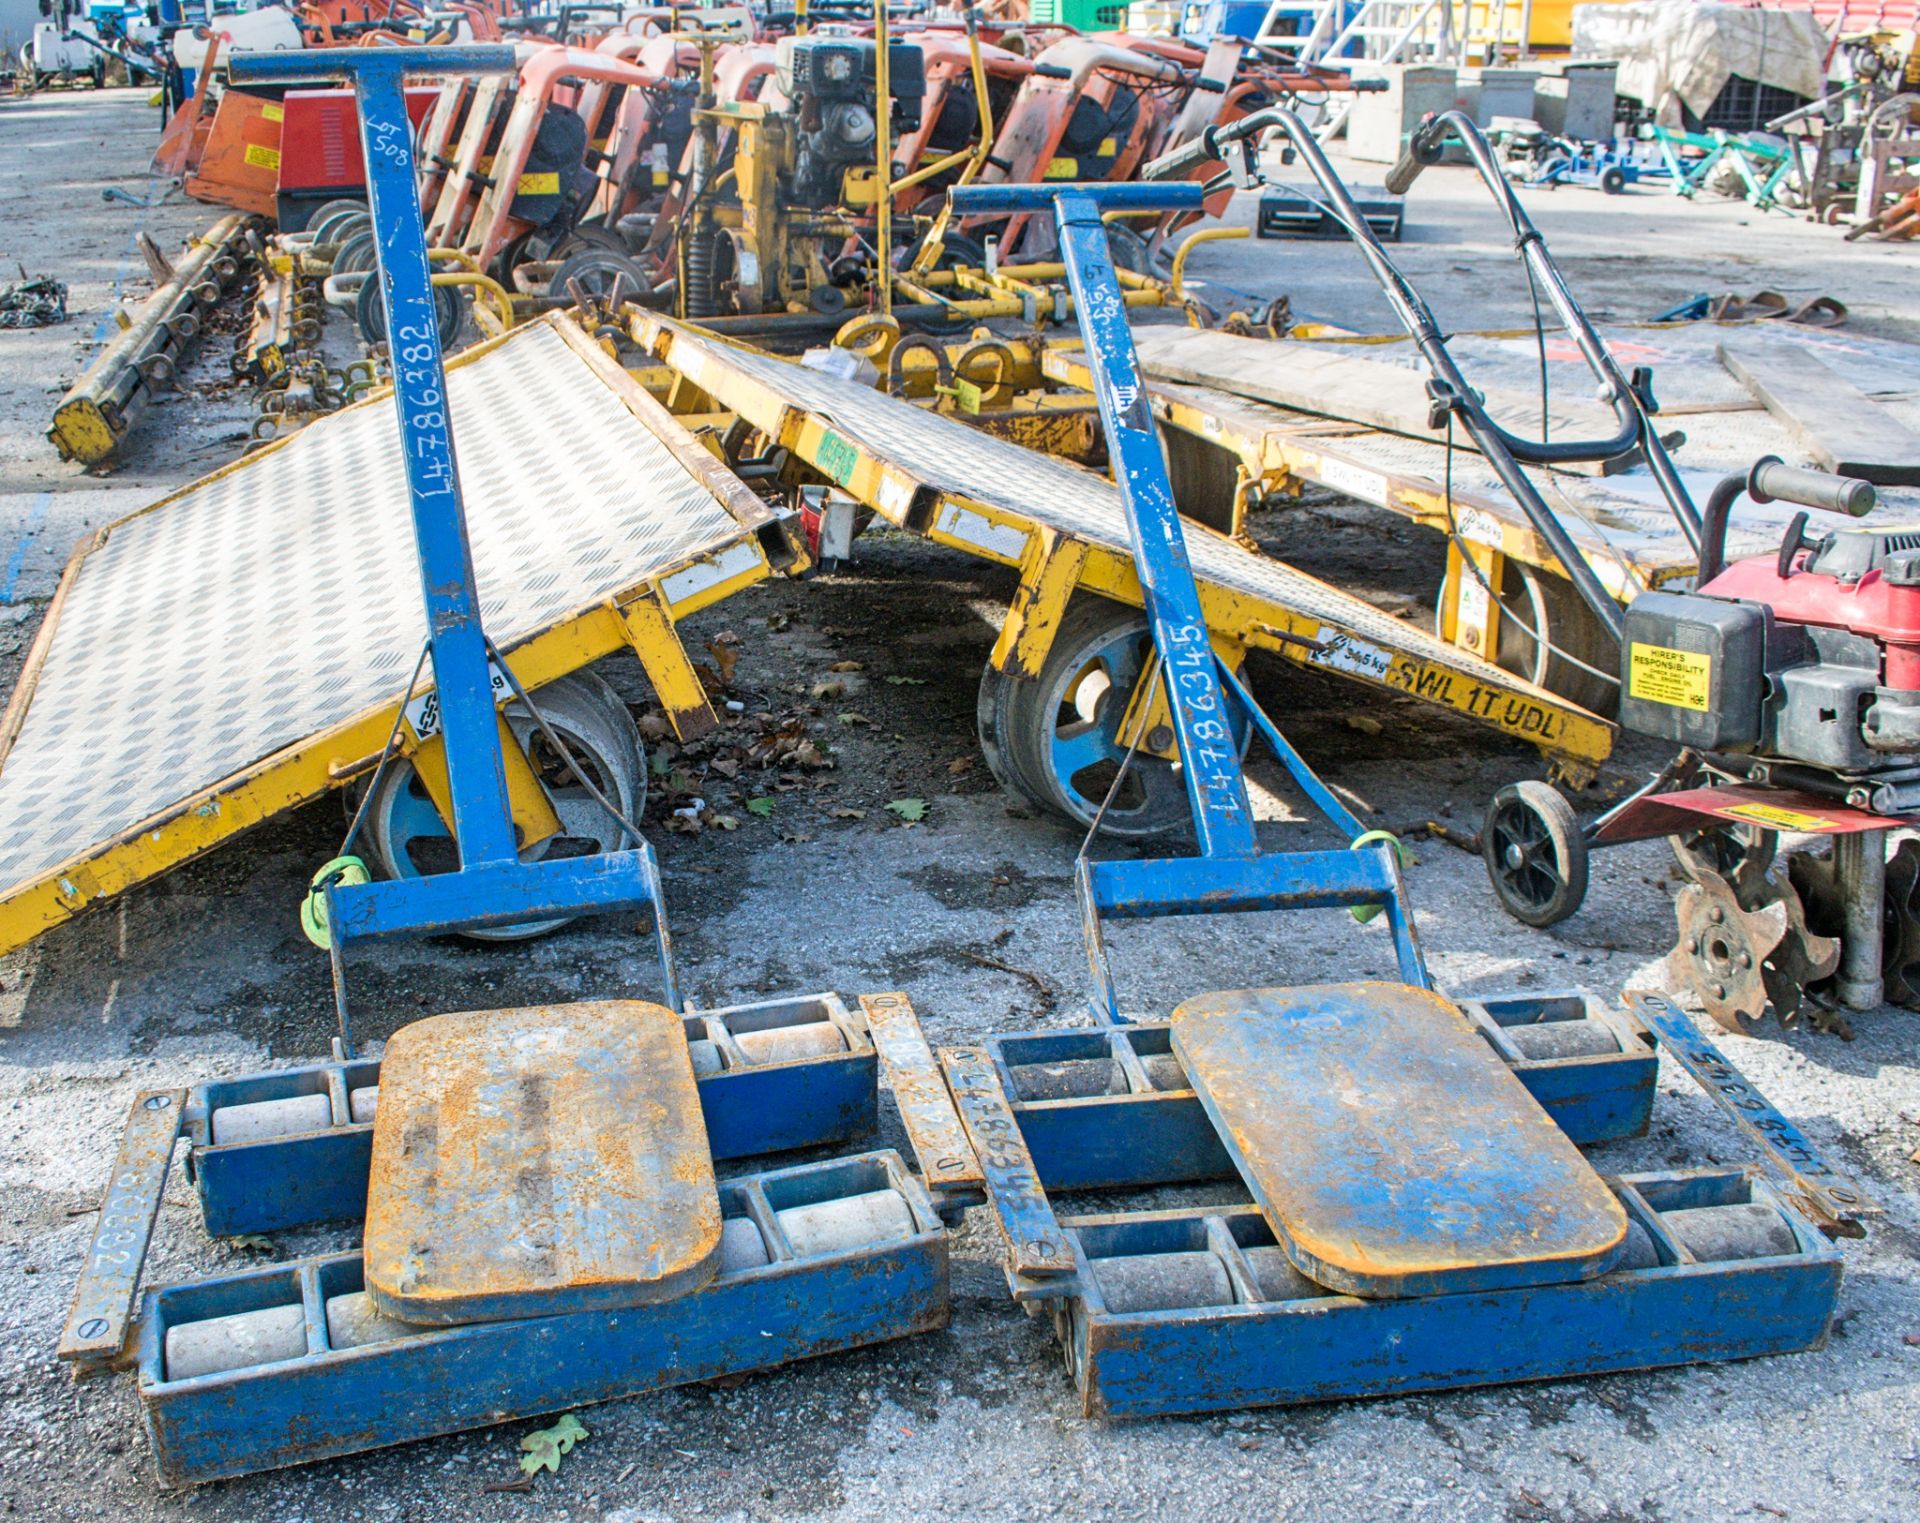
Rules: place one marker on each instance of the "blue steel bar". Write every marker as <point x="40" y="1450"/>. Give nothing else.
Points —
<point x="1230" y="874"/>
<point x="493" y="887"/>
<point x="1830" y="1198"/>
<point x="1034" y="1243"/>
<point x="482" y="823"/>
<point x="109" y="1280"/>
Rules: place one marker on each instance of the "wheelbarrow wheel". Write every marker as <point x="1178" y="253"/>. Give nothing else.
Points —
<point x="1535" y="854"/>
<point x="406" y="837"/>
<point x="1053" y="739"/>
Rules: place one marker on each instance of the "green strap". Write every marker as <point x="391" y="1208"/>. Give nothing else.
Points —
<point x="313" y="909"/>
<point x="1365" y="912"/>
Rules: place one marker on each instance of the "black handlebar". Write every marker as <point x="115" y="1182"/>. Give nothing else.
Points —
<point x="1772" y="480"/>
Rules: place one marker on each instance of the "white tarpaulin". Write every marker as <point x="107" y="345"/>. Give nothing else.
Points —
<point x="1674" y="52"/>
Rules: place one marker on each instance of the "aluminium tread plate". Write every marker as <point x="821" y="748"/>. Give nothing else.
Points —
<point x="1001" y="475"/>
<point x="279" y="597"/>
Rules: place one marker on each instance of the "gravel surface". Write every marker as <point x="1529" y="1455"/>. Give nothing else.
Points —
<point x="205" y="973"/>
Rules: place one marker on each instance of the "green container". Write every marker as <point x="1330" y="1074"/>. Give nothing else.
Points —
<point x="1084" y="15"/>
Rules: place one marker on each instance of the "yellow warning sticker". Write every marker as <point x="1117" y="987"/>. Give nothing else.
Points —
<point x="1776" y="819"/>
<point x="1108" y="147"/>
<point x="1063" y="169"/>
<point x="272" y="113"/>
<point x="1660" y="674"/>
<point x="547" y="184"/>
<point x="262" y="157"/>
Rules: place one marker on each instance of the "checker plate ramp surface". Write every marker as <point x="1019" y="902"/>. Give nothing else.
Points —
<point x="539" y="1161"/>
<point x="1391" y="1150"/>
<point x="277" y="598"/>
<point x="1007" y="476"/>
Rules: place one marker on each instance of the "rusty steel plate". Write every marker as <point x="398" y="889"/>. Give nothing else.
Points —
<point x="1391" y="1150"/>
<point x="546" y="1160"/>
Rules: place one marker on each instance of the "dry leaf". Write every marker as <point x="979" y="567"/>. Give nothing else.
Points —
<point x="848" y="814"/>
<point x="848" y="666"/>
<point x="960" y="764"/>
<point x="545" y="1447"/>
<point x="827" y="690"/>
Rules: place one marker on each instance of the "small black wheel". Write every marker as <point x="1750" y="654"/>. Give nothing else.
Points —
<point x="601" y="274"/>
<point x="1613" y="180"/>
<point x="370" y="312"/>
<point x="1535" y="854"/>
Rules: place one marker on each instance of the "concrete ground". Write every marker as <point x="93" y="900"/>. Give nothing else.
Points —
<point x="971" y="913"/>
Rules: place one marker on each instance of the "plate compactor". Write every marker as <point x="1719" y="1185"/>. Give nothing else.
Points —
<point x="1419" y="1214"/>
<point x="547" y="1221"/>
<point x="1791" y="682"/>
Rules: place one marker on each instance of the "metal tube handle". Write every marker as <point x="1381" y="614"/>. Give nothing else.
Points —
<point x="344" y="63"/>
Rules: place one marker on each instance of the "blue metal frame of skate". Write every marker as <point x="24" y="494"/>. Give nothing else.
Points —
<point x="1139" y="1122"/>
<point x="493" y="887"/>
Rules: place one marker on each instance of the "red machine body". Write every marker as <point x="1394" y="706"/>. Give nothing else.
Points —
<point x="320" y="158"/>
<point x="1869" y="605"/>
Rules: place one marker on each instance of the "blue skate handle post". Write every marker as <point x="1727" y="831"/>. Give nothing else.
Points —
<point x="1230" y="874"/>
<point x="493" y="887"/>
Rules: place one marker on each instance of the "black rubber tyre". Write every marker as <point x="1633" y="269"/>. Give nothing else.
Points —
<point x="1535" y="854"/>
<point x="370" y="312"/>
<point x="1613" y="180"/>
<point x="1130" y="251"/>
<point x="355" y="253"/>
<point x="1052" y="739"/>
<point x="599" y="272"/>
<point x="405" y="838"/>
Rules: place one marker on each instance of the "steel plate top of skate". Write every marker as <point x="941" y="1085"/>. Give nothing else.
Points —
<point x="1391" y="1150"/>
<point x="535" y="1161"/>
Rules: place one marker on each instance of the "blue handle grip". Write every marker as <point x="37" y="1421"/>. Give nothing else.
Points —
<point x="327" y="64"/>
<point x="1176" y="196"/>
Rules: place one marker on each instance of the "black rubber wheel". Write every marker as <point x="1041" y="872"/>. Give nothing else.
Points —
<point x="1535" y="854"/>
<point x="599" y="272"/>
<point x="370" y="312"/>
<point x="1130" y="251"/>
<point x="1613" y="180"/>
<point x="355" y="253"/>
<point x="1053" y="739"/>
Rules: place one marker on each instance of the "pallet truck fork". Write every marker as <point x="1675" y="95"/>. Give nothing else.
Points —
<point x="1420" y="1215"/>
<point x="544" y="1224"/>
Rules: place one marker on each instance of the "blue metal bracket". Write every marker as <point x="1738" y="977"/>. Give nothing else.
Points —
<point x="1231" y="873"/>
<point x="493" y="886"/>
<point x="1795" y="1167"/>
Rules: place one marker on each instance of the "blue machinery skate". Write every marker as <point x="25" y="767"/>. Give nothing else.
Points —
<point x="1420" y="1214"/>
<point x="543" y="1224"/>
